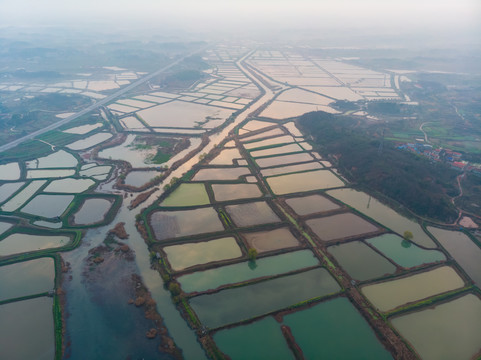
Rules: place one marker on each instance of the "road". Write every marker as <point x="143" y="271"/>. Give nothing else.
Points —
<point x="99" y="103"/>
<point x="426" y="140"/>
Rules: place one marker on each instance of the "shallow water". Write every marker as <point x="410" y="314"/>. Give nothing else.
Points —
<point x="172" y="224"/>
<point x="221" y="173"/>
<point x="69" y="186"/>
<point x="19" y="243"/>
<point x="8" y="189"/>
<point x="446" y="331"/>
<point x="186" y="255"/>
<point x="285" y="149"/>
<point x="251" y="214"/>
<point x="226" y="192"/>
<point x="291" y="169"/>
<point x="396" y="292"/>
<point x="139" y="178"/>
<point x="466" y="253"/>
<point x="340" y="226"/>
<point x="311" y="204"/>
<point x="21" y="198"/>
<point x="10" y="171"/>
<point x="270" y="240"/>
<point x="187" y="195"/>
<point x="90" y="141"/>
<point x="306" y="181"/>
<point x="92" y="211"/>
<point x="284" y="160"/>
<point x="59" y="159"/>
<point x="230" y="274"/>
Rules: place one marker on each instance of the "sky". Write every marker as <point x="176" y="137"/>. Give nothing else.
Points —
<point x="249" y="16"/>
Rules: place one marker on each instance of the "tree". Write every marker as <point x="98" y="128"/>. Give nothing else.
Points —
<point x="408" y="235"/>
<point x="252" y="254"/>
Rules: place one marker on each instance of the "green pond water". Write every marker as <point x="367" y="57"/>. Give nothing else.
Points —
<point x="270" y="240"/>
<point x="69" y="186"/>
<point x="19" y="243"/>
<point x="7" y="190"/>
<point x="391" y="294"/>
<point x="187" y="195"/>
<point x="306" y="181"/>
<point x="48" y="206"/>
<point x="284" y="159"/>
<point x="221" y="173"/>
<point x="27" y="330"/>
<point x="186" y="255"/>
<point x="260" y="340"/>
<point x="466" y="253"/>
<point x="251" y="214"/>
<point x="171" y="224"/>
<point x="360" y="261"/>
<point x="311" y="204"/>
<point x="230" y="274"/>
<point x="340" y="226"/>
<point x="233" y="305"/>
<point x="27" y="278"/>
<point x="446" y="331"/>
<point x="383" y="215"/>
<point x="335" y="330"/>
<point x="404" y="253"/>
<point x="59" y="159"/>
<point x="291" y="169"/>
<point x="92" y="211"/>
<point x="227" y="192"/>
<point x="285" y="149"/>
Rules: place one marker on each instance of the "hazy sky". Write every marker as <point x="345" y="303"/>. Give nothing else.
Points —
<point x="244" y="15"/>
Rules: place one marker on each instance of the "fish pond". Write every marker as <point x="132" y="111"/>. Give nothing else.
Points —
<point x="244" y="271"/>
<point x="172" y="224"/>
<point x="48" y="206"/>
<point x="334" y="330"/>
<point x="19" y="243"/>
<point x="237" y="304"/>
<point x="227" y="192"/>
<point x="187" y="194"/>
<point x="27" y="278"/>
<point x="306" y="181"/>
<point x="270" y="240"/>
<point x="251" y="214"/>
<point x="221" y="173"/>
<point x="311" y="204"/>
<point x="92" y="211"/>
<point x="360" y="261"/>
<point x="404" y="253"/>
<point x="444" y="331"/>
<point x="186" y="255"/>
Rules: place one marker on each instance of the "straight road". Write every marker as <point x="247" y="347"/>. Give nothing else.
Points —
<point x="99" y="103"/>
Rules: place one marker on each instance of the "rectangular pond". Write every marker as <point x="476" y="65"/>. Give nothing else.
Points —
<point x="334" y="330"/>
<point x="226" y="192"/>
<point x="172" y="224"/>
<point x="20" y="243"/>
<point x="270" y="240"/>
<point x="291" y="169"/>
<point x="21" y="198"/>
<point x="285" y="139"/>
<point x="250" y="214"/>
<point x="444" y="331"/>
<point x="237" y="304"/>
<point x="285" y="149"/>
<point x="187" y="194"/>
<point x="340" y="226"/>
<point x="27" y="329"/>
<point x="306" y="181"/>
<point x="210" y="174"/>
<point x="259" y="340"/>
<point x="404" y="253"/>
<point x="383" y="214"/>
<point x="360" y="261"/>
<point x="311" y="204"/>
<point x="48" y="206"/>
<point x="389" y="295"/>
<point x="466" y="253"/>
<point x="186" y="255"/>
<point x="244" y="271"/>
<point x="284" y="159"/>
<point x="27" y="278"/>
